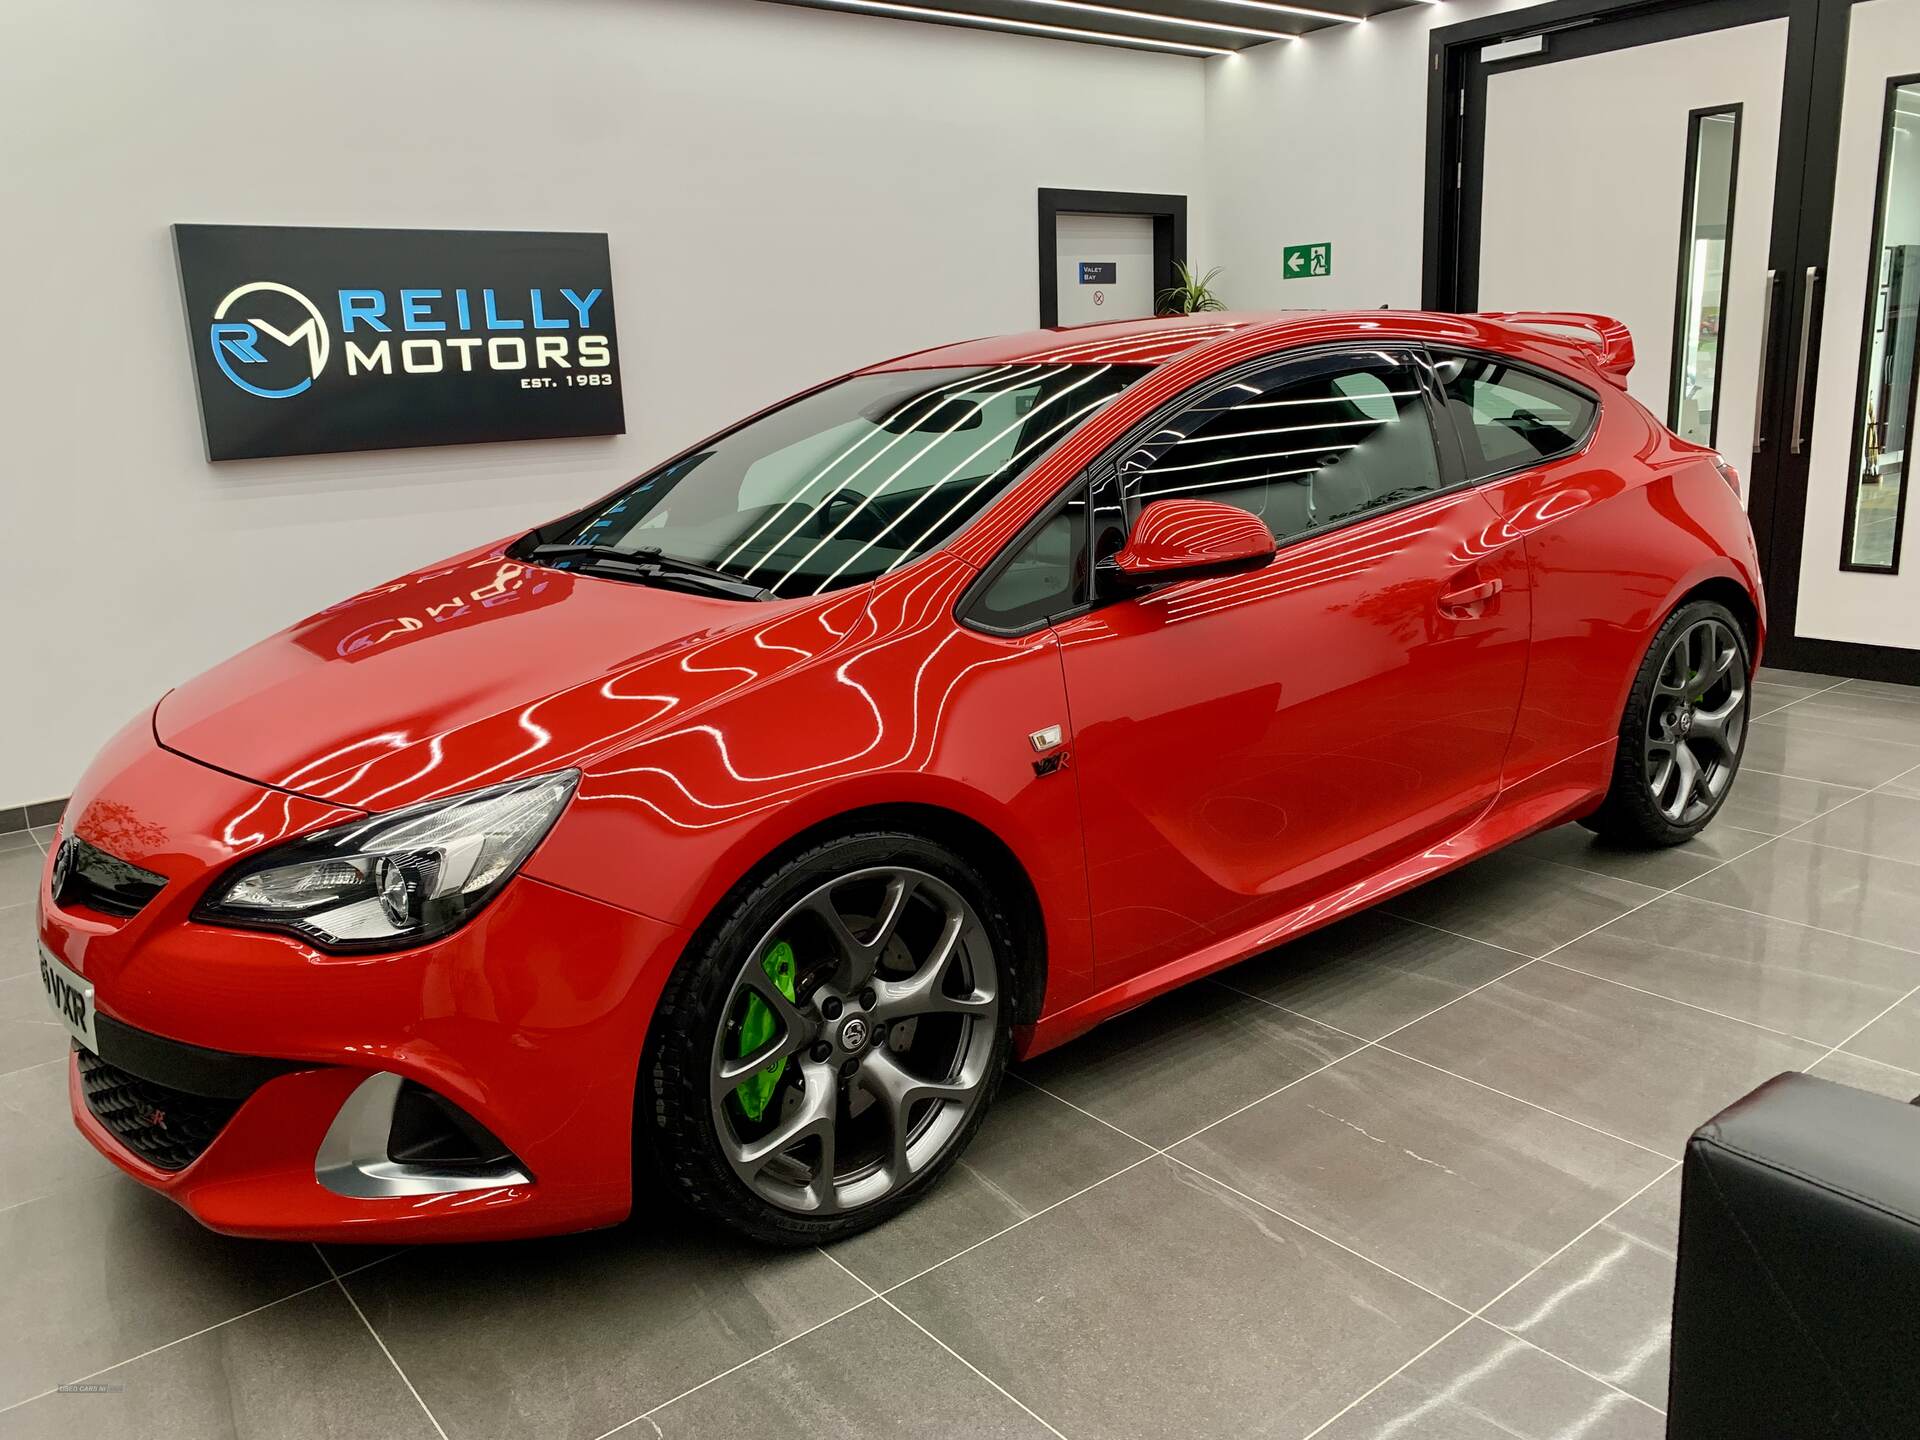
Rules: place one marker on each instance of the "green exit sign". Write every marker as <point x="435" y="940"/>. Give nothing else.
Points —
<point x="1297" y="262"/>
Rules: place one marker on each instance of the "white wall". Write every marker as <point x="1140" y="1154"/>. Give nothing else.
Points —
<point x="1609" y="245"/>
<point x="789" y="193"/>
<point x="1325" y="139"/>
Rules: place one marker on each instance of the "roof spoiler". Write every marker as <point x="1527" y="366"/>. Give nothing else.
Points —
<point x="1599" y="340"/>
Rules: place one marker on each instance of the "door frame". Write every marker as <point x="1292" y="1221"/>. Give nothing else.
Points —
<point x="1169" y="215"/>
<point x="1802" y="222"/>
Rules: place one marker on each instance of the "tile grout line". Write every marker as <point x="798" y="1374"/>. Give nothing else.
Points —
<point x="881" y="1296"/>
<point x="1863" y="1030"/>
<point x="1044" y="1209"/>
<point x="1467" y="1317"/>
<point x="1427" y="924"/>
<point x="432" y="1419"/>
<point x="1166" y="1152"/>
<point x="1338" y="1244"/>
<point x="1689" y="1004"/>
<point x="1801" y="924"/>
<point x="1762" y="841"/>
<point x="1379" y="1042"/>
<point x="1386" y="1049"/>
<point x="711" y="1379"/>
<point x="1673" y="890"/>
<point x="1844" y="735"/>
<point x="1905" y="699"/>
<point x="1810" y="695"/>
<point x="1690" y="895"/>
<point x="1878" y="789"/>
<point x="195" y="1335"/>
<point x="1865" y="854"/>
<point x="1480" y="1314"/>
<point x="1746" y="769"/>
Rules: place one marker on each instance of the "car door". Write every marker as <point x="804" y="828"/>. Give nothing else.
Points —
<point x="1245" y="744"/>
<point x="1594" y="549"/>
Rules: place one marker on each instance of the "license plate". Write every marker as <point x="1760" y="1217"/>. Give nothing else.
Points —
<point x="71" y="998"/>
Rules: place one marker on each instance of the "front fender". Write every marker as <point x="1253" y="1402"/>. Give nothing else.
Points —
<point x="927" y="713"/>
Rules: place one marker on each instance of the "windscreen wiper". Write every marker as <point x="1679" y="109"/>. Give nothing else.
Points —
<point x="648" y="563"/>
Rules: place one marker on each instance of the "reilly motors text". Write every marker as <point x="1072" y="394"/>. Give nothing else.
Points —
<point x="422" y="332"/>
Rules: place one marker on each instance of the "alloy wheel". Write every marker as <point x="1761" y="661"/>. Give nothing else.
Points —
<point x="1696" y="721"/>
<point x="856" y="1041"/>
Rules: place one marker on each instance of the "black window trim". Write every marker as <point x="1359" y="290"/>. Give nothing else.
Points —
<point x="1436" y="353"/>
<point x="1876" y="242"/>
<point x="1448" y="454"/>
<point x="1676" y="368"/>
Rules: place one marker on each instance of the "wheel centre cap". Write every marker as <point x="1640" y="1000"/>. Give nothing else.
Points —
<point x="1683" y="722"/>
<point x="853" y="1034"/>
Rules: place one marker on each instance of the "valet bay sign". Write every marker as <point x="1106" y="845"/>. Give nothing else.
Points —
<point x="315" y="339"/>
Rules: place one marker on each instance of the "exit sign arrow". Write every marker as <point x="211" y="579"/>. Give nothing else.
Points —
<point x="1300" y="262"/>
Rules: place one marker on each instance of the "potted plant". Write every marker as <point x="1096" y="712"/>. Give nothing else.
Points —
<point x="1192" y="293"/>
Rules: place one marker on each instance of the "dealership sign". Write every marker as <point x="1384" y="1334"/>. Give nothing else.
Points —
<point x="308" y="340"/>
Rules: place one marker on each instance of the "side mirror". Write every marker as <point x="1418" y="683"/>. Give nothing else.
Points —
<point x="1181" y="539"/>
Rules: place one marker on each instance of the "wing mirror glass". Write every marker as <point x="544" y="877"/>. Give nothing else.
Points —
<point x="1178" y="539"/>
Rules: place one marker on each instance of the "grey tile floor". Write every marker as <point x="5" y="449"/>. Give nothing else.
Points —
<point x="1413" y="1176"/>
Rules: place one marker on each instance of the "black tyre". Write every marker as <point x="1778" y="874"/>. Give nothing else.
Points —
<point x="831" y="1041"/>
<point x="1683" y="732"/>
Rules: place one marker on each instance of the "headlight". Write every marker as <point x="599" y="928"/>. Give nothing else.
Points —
<point x="393" y="880"/>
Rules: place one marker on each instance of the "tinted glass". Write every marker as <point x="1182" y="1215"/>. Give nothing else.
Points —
<point x="1509" y="418"/>
<point x="1890" y="383"/>
<point x="1713" y="147"/>
<point x="847" y="483"/>
<point x="1303" y="446"/>
<point x="1046" y="576"/>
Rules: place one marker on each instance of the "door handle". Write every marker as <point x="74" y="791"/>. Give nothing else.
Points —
<point x="1799" y="441"/>
<point x="1766" y="348"/>
<point x="1471" y="595"/>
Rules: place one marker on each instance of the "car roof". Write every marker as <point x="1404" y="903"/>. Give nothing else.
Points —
<point x="1131" y="342"/>
<point x="1164" y="338"/>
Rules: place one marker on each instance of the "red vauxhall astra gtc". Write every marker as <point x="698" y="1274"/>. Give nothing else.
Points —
<point x="737" y="829"/>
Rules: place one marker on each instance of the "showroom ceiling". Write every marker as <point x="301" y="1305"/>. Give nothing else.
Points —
<point x="1194" y="27"/>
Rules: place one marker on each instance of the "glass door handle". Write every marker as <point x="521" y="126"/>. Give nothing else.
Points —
<point x="1766" y="345"/>
<point x="1799" y="442"/>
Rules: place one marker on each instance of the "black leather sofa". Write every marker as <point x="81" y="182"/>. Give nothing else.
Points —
<point x="1796" y="1312"/>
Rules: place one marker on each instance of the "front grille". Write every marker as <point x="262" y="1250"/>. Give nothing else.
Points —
<point x="88" y="876"/>
<point x="165" y="1127"/>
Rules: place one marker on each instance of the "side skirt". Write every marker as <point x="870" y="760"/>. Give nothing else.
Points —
<point x="1563" y="791"/>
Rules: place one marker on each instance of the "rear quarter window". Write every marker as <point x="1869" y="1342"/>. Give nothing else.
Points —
<point x="1508" y="417"/>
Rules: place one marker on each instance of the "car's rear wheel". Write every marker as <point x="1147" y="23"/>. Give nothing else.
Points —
<point x="1683" y="733"/>
<point x="832" y="1044"/>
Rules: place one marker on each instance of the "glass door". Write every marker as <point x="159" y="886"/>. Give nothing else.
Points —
<point x="1658" y="212"/>
<point x="1851" y="417"/>
<point x="1738" y="181"/>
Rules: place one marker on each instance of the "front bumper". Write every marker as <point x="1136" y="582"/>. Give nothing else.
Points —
<point x="530" y="1019"/>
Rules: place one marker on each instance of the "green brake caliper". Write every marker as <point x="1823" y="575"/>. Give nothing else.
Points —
<point x="757" y="1027"/>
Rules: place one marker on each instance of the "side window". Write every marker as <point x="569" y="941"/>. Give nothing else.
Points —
<point x="1047" y="575"/>
<point x="1303" y="446"/>
<point x="1509" y="418"/>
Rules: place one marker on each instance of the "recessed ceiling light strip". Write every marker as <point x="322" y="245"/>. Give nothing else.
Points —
<point x="1274" y="7"/>
<point x="973" y="20"/>
<point x="1175" y="21"/>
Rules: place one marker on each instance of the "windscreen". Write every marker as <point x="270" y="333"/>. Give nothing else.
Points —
<point x="853" y="480"/>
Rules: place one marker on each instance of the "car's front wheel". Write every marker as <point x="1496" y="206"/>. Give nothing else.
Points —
<point x="831" y="1045"/>
<point x="1683" y="733"/>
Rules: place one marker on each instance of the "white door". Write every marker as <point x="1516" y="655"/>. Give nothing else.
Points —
<point x="1105" y="267"/>
<point x="1596" y="164"/>
<point x="1858" y="581"/>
